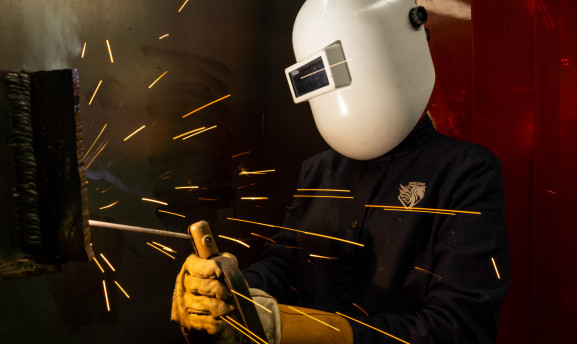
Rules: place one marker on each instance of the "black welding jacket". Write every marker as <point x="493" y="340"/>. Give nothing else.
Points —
<point x="420" y="276"/>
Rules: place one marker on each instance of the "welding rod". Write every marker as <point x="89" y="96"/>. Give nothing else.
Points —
<point x="101" y="224"/>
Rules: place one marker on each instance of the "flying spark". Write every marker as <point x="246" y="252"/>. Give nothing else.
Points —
<point x="110" y="205"/>
<point x="199" y="132"/>
<point x="254" y="198"/>
<point x="235" y="240"/>
<point x="244" y="186"/>
<point x="181" y="7"/>
<point x="185" y="187"/>
<point x="263" y="237"/>
<point x="319" y="196"/>
<point x="109" y="51"/>
<point x="136" y="131"/>
<point x="430" y="273"/>
<point x="107" y="189"/>
<point x="208" y="199"/>
<point x="164" y="247"/>
<point x="361" y="309"/>
<point x="320" y="70"/>
<point x="97" y="263"/>
<point x="164" y="36"/>
<point x="151" y="245"/>
<point x="154" y="82"/>
<point x="294" y="289"/>
<point x="107" y="262"/>
<point x="374" y="328"/>
<point x="171" y="213"/>
<point x="202" y="107"/>
<point x="246" y="173"/>
<point x="248" y="333"/>
<point x="446" y="211"/>
<point x="324" y="190"/>
<point x="188" y="132"/>
<point x="323" y="257"/>
<point x="322" y="322"/>
<point x="97" y="137"/>
<point x="237" y="155"/>
<point x="83" y="50"/>
<point x="93" y="94"/>
<point x="495" y="266"/>
<point x="154" y="201"/>
<point x="106" y="295"/>
<point x="299" y="231"/>
<point x="91" y="160"/>
<point x="164" y="174"/>
<point x="251" y="300"/>
<point x="125" y="293"/>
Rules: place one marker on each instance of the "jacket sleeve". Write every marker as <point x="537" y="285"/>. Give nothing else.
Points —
<point x="471" y="260"/>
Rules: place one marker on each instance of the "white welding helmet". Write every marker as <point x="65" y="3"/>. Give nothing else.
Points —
<point x="366" y="70"/>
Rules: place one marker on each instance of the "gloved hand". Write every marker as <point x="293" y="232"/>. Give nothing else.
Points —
<point x="200" y="296"/>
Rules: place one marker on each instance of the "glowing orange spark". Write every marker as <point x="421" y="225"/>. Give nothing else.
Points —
<point x="390" y="207"/>
<point x="299" y="231"/>
<point x="164" y="247"/>
<point x="551" y="192"/>
<point x="251" y="300"/>
<point x="297" y="248"/>
<point x="165" y="173"/>
<point x="83" y="50"/>
<point x="320" y="70"/>
<point x="97" y="263"/>
<point x="96" y="155"/>
<point x="107" y="262"/>
<point x="168" y="212"/>
<point x="208" y="199"/>
<point x="235" y="240"/>
<point x="154" y="201"/>
<point x="202" y="107"/>
<point x="495" y="266"/>
<point x="151" y="245"/>
<point x="109" y="51"/>
<point x="137" y="130"/>
<point x="371" y="327"/>
<point x="362" y="310"/>
<point x="237" y="155"/>
<point x="97" y="137"/>
<point x="185" y="187"/>
<point x="263" y="237"/>
<point x="254" y="198"/>
<point x="324" y="190"/>
<point x="181" y="7"/>
<point x="164" y="36"/>
<point x="199" y="132"/>
<point x="320" y="196"/>
<point x="110" y="205"/>
<point x="107" y="189"/>
<point x="188" y="132"/>
<point x="255" y="172"/>
<point x="323" y="257"/>
<point x="244" y="186"/>
<point x="430" y="273"/>
<point x="93" y="94"/>
<point x="322" y="322"/>
<point x="154" y="82"/>
<point x="125" y="293"/>
<point x="106" y="295"/>
<point x="243" y="330"/>
<point x="294" y="289"/>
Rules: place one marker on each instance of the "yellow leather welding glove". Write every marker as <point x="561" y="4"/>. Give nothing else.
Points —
<point x="200" y="296"/>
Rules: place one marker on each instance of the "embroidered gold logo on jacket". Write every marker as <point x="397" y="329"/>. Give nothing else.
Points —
<point x="412" y="194"/>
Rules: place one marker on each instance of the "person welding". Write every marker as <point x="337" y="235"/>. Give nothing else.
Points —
<point x="423" y="255"/>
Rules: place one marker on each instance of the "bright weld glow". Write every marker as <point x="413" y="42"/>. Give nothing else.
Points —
<point x="106" y="295"/>
<point x="255" y="172"/>
<point x="263" y="237"/>
<point x="97" y="137"/>
<point x="83" y="50"/>
<point x="185" y="187"/>
<point x="107" y="262"/>
<point x="93" y="94"/>
<point x="164" y="36"/>
<point x="109" y="51"/>
<point x="121" y="289"/>
<point x="110" y="205"/>
<point x="320" y="70"/>
<point x="188" y="132"/>
<point x="429" y="209"/>
<point x="234" y="156"/>
<point x="299" y="231"/>
<point x="254" y="198"/>
<point x="202" y="107"/>
<point x="251" y="300"/>
<point x="240" y="327"/>
<point x="323" y="257"/>
<point x="324" y="190"/>
<point x="97" y="263"/>
<point x="181" y="7"/>
<point x="164" y="247"/>
<point x="374" y="328"/>
<point x="361" y="309"/>
<point x="96" y="155"/>
<point x="168" y="212"/>
<point x="151" y="245"/>
<point x="154" y="82"/>
<point x="322" y="322"/>
<point x="154" y="201"/>
<point x="199" y="132"/>
<point x="320" y="196"/>
<point x="430" y="273"/>
<point x="235" y="240"/>
<point x="136" y="131"/>
<point x="495" y="266"/>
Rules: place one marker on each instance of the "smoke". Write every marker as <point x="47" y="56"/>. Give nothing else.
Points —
<point x="50" y="34"/>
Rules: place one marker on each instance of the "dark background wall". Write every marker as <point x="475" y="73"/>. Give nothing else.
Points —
<point x="505" y="79"/>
